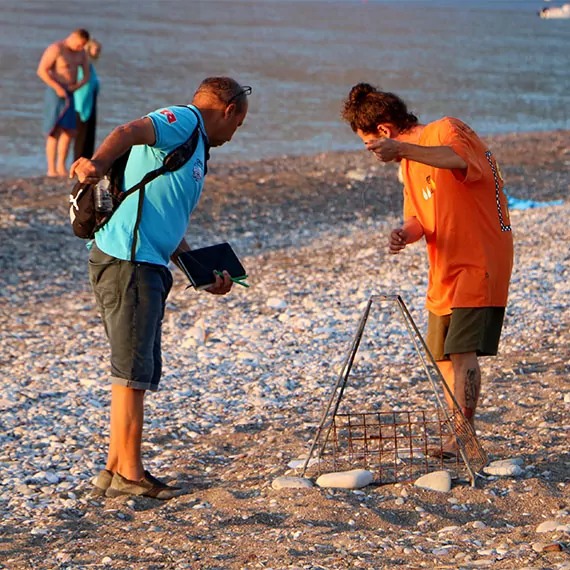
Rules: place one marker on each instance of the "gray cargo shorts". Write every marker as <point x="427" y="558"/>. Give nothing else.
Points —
<point x="131" y="298"/>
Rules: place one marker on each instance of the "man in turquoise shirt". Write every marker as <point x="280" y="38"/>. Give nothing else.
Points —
<point x="131" y="293"/>
<point x="171" y="197"/>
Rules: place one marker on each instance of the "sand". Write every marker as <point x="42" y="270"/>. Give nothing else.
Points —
<point x="245" y="382"/>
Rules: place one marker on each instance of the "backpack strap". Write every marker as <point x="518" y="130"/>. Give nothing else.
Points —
<point x="204" y="137"/>
<point x="137" y="224"/>
<point x="175" y="159"/>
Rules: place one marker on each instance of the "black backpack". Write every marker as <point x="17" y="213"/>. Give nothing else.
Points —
<point x="86" y="221"/>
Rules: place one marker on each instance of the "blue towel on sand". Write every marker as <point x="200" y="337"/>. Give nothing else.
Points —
<point x="518" y="204"/>
<point x="58" y="112"/>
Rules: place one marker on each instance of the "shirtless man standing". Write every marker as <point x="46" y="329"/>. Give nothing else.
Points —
<point x="58" y="70"/>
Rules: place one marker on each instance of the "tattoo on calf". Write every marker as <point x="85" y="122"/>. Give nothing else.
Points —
<point x="471" y="387"/>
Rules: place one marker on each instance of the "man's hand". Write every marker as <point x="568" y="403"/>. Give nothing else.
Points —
<point x="119" y="141"/>
<point x="60" y="91"/>
<point x="90" y="171"/>
<point x="385" y="150"/>
<point x="397" y="241"/>
<point x="221" y="286"/>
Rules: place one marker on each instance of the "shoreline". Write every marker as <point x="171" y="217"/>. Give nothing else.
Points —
<point x="523" y="158"/>
<point x="226" y="162"/>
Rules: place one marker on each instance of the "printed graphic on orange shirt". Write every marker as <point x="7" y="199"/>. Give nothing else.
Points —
<point x="501" y="196"/>
<point x="429" y="189"/>
<point x="506" y="206"/>
<point x="499" y="172"/>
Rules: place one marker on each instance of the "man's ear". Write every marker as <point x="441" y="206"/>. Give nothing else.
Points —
<point x="230" y="111"/>
<point x="387" y="130"/>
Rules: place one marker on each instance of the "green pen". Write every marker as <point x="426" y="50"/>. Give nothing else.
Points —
<point x="233" y="279"/>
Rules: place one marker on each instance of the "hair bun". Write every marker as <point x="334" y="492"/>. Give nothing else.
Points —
<point x="360" y="91"/>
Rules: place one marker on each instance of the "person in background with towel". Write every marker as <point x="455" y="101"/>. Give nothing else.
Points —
<point x="85" y="99"/>
<point x="58" y="69"/>
<point x="453" y="196"/>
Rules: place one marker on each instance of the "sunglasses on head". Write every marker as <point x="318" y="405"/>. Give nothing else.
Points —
<point x="245" y="90"/>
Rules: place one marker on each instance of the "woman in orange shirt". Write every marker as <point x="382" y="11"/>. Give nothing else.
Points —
<point x="453" y="196"/>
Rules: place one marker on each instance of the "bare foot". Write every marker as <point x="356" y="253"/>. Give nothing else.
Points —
<point x="52" y="174"/>
<point x="62" y="172"/>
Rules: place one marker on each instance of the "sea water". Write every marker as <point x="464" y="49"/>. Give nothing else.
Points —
<point x="496" y="65"/>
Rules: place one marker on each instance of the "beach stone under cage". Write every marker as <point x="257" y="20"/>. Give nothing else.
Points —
<point x="396" y="446"/>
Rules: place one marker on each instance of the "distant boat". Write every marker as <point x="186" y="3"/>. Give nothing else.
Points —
<point x="555" y="13"/>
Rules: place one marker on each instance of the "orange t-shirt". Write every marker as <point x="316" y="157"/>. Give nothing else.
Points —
<point x="466" y="221"/>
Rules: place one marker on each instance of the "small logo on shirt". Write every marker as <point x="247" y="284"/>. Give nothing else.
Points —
<point x="170" y="116"/>
<point x="428" y="191"/>
<point x="198" y="172"/>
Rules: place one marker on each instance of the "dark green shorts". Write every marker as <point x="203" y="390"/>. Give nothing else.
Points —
<point x="131" y="298"/>
<point x="465" y="330"/>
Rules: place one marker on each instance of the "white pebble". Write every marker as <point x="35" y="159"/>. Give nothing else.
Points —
<point x="291" y="483"/>
<point x="504" y="470"/>
<point x="548" y="526"/>
<point x="435" y="481"/>
<point x="276" y="303"/>
<point x="357" y="175"/>
<point x="447" y="529"/>
<point x="440" y="552"/>
<point x="355" y="479"/>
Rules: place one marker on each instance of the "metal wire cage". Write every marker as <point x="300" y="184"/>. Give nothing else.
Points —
<point x="396" y="445"/>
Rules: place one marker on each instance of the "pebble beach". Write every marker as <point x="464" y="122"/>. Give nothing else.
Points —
<point x="246" y="378"/>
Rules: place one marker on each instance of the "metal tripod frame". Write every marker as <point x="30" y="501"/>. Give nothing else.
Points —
<point x="423" y="352"/>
